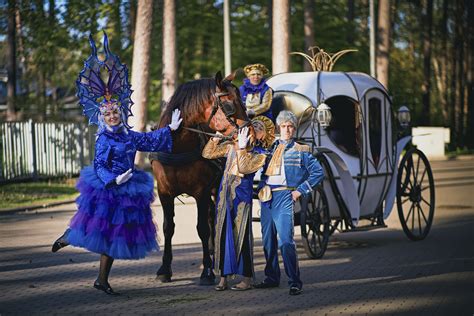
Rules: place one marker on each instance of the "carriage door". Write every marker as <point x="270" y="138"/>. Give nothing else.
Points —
<point x="378" y="151"/>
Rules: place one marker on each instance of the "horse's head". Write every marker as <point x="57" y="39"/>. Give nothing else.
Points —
<point x="228" y="113"/>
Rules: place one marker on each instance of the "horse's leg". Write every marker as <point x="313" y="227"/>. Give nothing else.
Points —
<point x="164" y="273"/>
<point x="204" y="231"/>
<point x="211" y="221"/>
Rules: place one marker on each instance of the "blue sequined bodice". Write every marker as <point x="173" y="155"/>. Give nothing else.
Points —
<point x="115" y="150"/>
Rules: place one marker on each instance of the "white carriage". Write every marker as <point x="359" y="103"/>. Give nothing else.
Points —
<point x="348" y="120"/>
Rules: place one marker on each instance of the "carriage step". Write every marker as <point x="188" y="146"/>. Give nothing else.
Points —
<point x="364" y="228"/>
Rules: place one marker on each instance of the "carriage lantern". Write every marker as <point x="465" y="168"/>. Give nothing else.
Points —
<point x="324" y="115"/>
<point x="404" y="116"/>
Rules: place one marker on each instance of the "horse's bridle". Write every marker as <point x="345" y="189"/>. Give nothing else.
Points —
<point x="227" y="108"/>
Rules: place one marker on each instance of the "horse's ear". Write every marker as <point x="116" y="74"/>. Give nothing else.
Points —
<point x="231" y="76"/>
<point x="219" y="79"/>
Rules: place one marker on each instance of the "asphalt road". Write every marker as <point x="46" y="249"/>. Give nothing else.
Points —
<point x="374" y="272"/>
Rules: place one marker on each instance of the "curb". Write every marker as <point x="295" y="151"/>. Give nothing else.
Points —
<point x="15" y="210"/>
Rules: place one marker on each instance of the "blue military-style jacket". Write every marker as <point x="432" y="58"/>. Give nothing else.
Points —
<point x="302" y="170"/>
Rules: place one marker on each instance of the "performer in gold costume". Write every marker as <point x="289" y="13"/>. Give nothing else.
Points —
<point x="234" y="242"/>
<point x="255" y="93"/>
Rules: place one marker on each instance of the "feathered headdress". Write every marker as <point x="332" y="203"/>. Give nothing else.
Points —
<point x="96" y="96"/>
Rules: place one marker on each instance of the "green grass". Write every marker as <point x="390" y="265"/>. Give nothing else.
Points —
<point x="36" y="193"/>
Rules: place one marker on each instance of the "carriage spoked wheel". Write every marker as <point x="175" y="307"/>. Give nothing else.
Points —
<point x="315" y="224"/>
<point x="415" y="194"/>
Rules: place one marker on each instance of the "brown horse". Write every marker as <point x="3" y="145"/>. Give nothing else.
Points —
<point x="205" y="103"/>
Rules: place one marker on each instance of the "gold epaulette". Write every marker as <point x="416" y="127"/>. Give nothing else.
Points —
<point x="304" y="148"/>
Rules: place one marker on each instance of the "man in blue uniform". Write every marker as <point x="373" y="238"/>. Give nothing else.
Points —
<point x="291" y="172"/>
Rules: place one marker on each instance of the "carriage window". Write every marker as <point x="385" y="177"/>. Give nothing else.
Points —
<point x="345" y="128"/>
<point x="375" y="128"/>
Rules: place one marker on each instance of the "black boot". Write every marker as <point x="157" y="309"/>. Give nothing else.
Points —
<point x="61" y="242"/>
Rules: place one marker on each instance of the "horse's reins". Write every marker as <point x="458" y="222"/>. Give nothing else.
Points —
<point x="226" y="111"/>
<point x="195" y="130"/>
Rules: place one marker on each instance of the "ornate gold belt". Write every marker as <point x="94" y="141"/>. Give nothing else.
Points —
<point x="283" y="189"/>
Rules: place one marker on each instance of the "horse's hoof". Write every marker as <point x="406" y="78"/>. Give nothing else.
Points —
<point x="164" y="274"/>
<point x="207" y="277"/>
<point x="164" y="278"/>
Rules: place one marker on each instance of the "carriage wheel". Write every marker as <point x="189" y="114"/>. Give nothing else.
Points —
<point x="415" y="194"/>
<point x="315" y="224"/>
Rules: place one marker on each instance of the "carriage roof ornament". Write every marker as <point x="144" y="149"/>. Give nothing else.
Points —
<point x="321" y="60"/>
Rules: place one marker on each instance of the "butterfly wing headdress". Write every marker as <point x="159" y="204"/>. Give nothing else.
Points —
<point x="104" y="81"/>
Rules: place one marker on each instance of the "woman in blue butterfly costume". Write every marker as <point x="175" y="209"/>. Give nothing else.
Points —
<point x="114" y="217"/>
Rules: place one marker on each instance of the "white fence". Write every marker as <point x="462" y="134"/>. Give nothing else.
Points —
<point x="32" y="150"/>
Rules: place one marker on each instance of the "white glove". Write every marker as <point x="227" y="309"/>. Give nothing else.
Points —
<point x="175" y="120"/>
<point x="124" y="177"/>
<point x="243" y="137"/>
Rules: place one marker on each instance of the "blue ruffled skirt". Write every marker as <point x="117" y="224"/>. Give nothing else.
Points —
<point x="115" y="221"/>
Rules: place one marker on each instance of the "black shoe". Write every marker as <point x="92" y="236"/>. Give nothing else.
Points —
<point x="61" y="242"/>
<point x="265" y="285"/>
<point x="106" y="288"/>
<point x="295" y="290"/>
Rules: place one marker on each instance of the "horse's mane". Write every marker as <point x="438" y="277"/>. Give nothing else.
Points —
<point x="191" y="98"/>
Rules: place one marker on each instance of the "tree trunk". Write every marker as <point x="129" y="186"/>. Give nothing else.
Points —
<point x="364" y="20"/>
<point x="133" y="20"/>
<point x="458" y="46"/>
<point x="470" y="74"/>
<point x="116" y="24"/>
<point x="427" y="20"/>
<point x="281" y="37"/>
<point x="308" y="30"/>
<point x="445" y="61"/>
<point x="270" y="22"/>
<point x="383" y="42"/>
<point x="11" y="62"/>
<point x="170" y="65"/>
<point x="19" y="40"/>
<point x="141" y="69"/>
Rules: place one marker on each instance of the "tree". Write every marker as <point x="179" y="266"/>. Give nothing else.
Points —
<point x="308" y="29"/>
<point x="281" y="37"/>
<point x="140" y="69"/>
<point x="11" y="63"/>
<point x="470" y="74"/>
<point x="383" y="42"/>
<point x="426" y="86"/>
<point x="350" y="21"/>
<point x="170" y="67"/>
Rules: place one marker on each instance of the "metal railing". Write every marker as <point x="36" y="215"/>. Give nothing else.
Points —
<point x="30" y="150"/>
